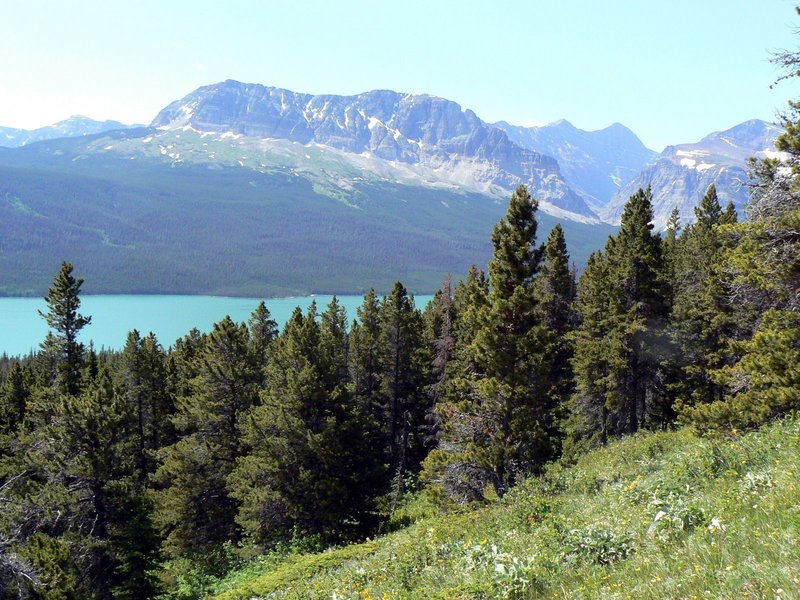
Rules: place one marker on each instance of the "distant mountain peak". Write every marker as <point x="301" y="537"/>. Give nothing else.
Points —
<point x="595" y="163"/>
<point x="617" y="127"/>
<point x="412" y="129"/>
<point x="74" y="126"/>
<point x="681" y="174"/>
<point x="747" y="133"/>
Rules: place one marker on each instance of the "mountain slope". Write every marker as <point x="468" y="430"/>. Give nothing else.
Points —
<point x="681" y="175"/>
<point x="421" y="132"/>
<point x="656" y="515"/>
<point x="73" y="127"/>
<point x="595" y="163"/>
<point x="115" y="202"/>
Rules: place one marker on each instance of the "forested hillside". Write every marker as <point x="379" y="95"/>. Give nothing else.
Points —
<point x="231" y="231"/>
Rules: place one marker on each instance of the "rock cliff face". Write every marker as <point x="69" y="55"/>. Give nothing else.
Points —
<point x="413" y="129"/>
<point x="681" y="175"/>
<point x="594" y="163"/>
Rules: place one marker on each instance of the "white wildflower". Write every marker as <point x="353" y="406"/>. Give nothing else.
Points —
<point x="716" y="525"/>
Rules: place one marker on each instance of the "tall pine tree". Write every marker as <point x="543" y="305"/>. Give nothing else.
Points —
<point x="622" y="343"/>
<point x="555" y="292"/>
<point x="63" y="303"/>
<point x="194" y="506"/>
<point x="499" y="427"/>
<point x="702" y="319"/>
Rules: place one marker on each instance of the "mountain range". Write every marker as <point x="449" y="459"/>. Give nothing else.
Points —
<point x="416" y="177"/>
<point x="424" y="138"/>
<point x="595" y="163"/>
<point x="75" y="126"/>
<point x="681" y="175"/>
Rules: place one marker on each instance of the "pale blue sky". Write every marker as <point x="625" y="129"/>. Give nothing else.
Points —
<point x="671" y="70"/>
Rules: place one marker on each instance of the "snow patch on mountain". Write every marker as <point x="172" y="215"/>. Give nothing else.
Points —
<point x="680" y="176"/>
<point x="431" y="134"/>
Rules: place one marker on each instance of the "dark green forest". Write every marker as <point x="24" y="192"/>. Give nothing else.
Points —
<point x="231" y="231"/>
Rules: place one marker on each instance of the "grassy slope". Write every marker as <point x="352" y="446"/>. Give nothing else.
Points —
<point x="661" y="515"/>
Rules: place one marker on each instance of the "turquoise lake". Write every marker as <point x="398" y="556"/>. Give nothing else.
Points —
<point x="169" y="317"/>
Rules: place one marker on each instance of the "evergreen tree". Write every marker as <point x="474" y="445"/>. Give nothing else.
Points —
<point x="470" y="301"/>
<point x="352" y="474"/>
<point x="439" y="333"/>
<point x="184" y="364"/>
<point x="80" y="469"/>
<point x="709" y="212"/>
<point x="263" y="331"/>
<point x="14" y="399"/>
<point x="333" y="347"/>
<point x="670" y="248"/>
<point x="402" y="382"/>
<point x="366" y="357"/>
<point x="499" y="427"/>
<point x="555" y="292"/>
<point x="314" y="465"/>
<point x="63" y="304"/>
<point x="193" y="505"/>
<point x="593" y="363"/>
<point x="91" y="433"/>
<point x="702" y="319"/>
<point x="509" y="348"/>
<point x="637" y="264"/>
<point x="267" y="478"/>
<point x="760" y="275"/>
<point x="143" y="377"/>
<point x="621" y="344"/>
<point x="765" y="381"/>
<point x="729" y="217"/>
<point x="91" y="366"/>
<point x="450" y="469"/>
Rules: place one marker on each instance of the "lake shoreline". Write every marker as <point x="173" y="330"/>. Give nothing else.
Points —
<point x="169" y="316"/>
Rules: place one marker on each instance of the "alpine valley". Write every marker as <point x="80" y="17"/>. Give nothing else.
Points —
<point x="233" y="182"/>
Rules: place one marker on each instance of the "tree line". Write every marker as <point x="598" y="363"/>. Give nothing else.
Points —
<point x="121" y="472"/>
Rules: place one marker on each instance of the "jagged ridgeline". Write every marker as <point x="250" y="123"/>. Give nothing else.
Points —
<point x="235" y="182"/>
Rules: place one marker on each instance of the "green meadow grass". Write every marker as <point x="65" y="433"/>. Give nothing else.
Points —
<point x="656" y="515"/>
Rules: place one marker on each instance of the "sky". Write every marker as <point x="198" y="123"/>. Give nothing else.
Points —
<point x="672" y="71"/>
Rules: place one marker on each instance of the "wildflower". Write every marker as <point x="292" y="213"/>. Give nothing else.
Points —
<point x="716" y="525"/>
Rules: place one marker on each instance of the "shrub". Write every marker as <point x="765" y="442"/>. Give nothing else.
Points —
<point x="597" y="544"/>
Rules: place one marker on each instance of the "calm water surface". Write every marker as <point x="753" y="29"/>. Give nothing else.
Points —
<point x="169" y="317"/>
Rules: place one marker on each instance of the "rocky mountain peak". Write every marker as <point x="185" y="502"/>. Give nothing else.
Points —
<point x="416" y="129"/>
<point x="595" y="163"/>
<point x="750" y="136"/>
<point x="681" y="174"/>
